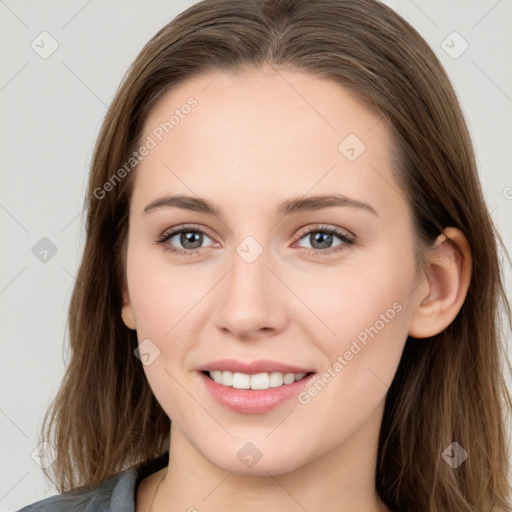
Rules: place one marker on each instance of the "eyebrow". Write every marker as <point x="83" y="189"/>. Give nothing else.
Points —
<point x="288" y="207"/>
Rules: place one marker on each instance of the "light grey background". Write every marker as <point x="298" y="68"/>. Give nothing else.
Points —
<point x="51" y="112"/>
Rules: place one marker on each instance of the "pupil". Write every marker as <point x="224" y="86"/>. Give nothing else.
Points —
<point x="191" y="237"/>
<point x="325" y="237"/>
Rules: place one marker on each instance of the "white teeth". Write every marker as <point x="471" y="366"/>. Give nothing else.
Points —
<point x="260" y="381"/>
<point x="239" y="380"/>
<point x="276" y="379"/>
<point x="227" y="378"/>
<point x="288" y="378"/>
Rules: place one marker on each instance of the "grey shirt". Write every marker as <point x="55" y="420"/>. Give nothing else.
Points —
<point x="117" y="494"/>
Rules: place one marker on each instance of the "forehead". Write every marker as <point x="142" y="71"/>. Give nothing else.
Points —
<point x="256" y="102"/>
<point x="263" y="131"/>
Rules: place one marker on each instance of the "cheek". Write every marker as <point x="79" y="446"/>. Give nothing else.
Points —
<point x="363" y="291"/>
<point x="369" y="316"/>
<point x="160" y="301"/>
<point x="153" y="306"/>
<point x="160" y="293"/>
<point x="367" y="306"/>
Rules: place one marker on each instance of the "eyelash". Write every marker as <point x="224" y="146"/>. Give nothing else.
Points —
<point x="347" y="240"/>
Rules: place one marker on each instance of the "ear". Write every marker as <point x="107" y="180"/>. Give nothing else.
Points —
<point x="448" y="273"/>
<point x="127" y="310"/>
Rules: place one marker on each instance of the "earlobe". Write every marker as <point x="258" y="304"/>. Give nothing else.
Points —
<point x="448" y="274"/>
<point x="127" y="310"/>
<point x="127" y="315"/>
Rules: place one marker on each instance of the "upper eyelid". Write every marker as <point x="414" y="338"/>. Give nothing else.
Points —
<point x="187" y="227"/>
<point x="323" y="227"/>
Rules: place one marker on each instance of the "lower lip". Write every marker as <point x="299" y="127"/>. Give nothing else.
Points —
<point x="253" y="401"/>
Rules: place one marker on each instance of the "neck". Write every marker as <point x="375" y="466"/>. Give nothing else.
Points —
<point x="341" y="480"/>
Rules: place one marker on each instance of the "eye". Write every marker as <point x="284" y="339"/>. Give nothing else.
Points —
<point x="321" y="239"/>
<point x="189" y="237"/>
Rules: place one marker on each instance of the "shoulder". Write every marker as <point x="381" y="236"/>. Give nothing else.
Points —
<point x="113" y="495"/>
<point x="88" y="499"/>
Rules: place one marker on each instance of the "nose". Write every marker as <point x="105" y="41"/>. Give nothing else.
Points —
<point x="251" y="299"/>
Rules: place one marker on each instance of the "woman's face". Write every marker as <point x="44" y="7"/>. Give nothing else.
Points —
<point x="264" y="278"/>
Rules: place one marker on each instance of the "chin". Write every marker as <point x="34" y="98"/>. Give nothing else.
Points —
<point x="247" y="459"/>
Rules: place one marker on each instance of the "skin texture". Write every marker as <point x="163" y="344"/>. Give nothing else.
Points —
<point x="252" y="142"/>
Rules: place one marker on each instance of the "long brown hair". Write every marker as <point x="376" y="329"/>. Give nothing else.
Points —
<point x="448" y="388"/>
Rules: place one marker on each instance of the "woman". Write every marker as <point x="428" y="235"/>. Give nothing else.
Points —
<point x="221" y="364"/>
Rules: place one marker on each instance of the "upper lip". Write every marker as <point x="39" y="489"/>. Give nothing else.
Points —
<point x="252" y="367"/>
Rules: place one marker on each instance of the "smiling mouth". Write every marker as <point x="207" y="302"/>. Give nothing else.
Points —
<point x="257" y="381"/>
